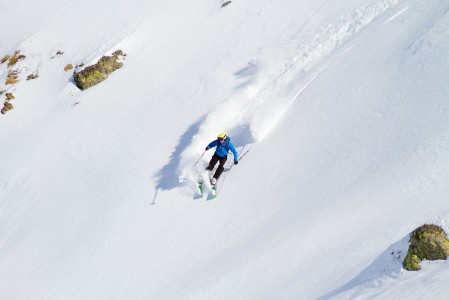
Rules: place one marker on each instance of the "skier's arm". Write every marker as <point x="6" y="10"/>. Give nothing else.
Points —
<point x="212" y="144"/>
<point x="236" y="156"/>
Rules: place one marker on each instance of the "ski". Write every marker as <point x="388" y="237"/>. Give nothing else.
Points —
<point x="213" y="188"/>
<point x="213" y="191"/>
<point x="200" y="187"/>
<point x="200" y="190"/>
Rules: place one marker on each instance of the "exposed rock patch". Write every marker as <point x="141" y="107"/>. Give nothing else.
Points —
<point x="95" y="74"/>
<point x="59" y="53"/>
<point x="15" y="58"/>
<point x="4" y="59"/>
<point x="9" y="96"/>
<point x="13" y="77"/>
<point x="426" y="242"/>
<point x="32" y="76"/>
<point x="6" y="106"/>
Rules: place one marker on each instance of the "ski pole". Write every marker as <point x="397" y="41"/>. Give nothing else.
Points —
<point x="199" y="158"/>
<point x="241" y="157"/>
<point x="225" y="176"/>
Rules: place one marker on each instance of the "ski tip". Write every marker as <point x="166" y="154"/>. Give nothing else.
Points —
<point x="214" y="191"/>
<point x="197" y="196"/>
<point x="212" y="197"/>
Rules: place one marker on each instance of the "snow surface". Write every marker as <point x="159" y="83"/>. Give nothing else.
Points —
<point x="345" y="104"/>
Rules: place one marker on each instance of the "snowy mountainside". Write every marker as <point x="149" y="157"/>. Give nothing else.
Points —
<point x="344" y="102"/>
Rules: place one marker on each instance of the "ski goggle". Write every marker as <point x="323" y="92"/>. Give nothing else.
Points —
<point x="221" y="139"/>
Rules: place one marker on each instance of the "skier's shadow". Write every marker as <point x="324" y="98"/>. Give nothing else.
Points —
<point x="166" y="178"/>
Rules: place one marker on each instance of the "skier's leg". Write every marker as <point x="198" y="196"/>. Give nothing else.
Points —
<point x="212" y="163"/>
<point x="220" y="167"/>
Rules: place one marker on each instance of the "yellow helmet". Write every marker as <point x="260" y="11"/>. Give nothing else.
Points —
<point x="222" y="135"/>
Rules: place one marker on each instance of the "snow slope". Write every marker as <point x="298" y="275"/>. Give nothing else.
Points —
<point x="345" y="105"/>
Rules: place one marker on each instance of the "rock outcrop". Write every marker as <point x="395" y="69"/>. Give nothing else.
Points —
<point x="426" y="242"/>
<point x="95" y="74"/>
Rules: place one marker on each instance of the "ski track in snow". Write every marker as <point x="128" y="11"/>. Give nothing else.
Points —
<point x="248" y="116"/>
<point x="397" y="14"/>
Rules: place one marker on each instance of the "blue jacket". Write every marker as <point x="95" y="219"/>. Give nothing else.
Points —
<point x="223" y="148"/>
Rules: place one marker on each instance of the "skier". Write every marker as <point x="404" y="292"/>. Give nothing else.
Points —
<point x="223" y="144"/>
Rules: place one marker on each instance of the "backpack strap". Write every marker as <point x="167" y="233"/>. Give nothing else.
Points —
<point x="227" y="143"/>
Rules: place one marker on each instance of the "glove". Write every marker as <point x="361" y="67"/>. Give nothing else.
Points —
<point x="236" y="162"/>
<point x="207" y="148"/>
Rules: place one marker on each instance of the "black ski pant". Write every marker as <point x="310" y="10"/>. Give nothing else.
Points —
<point x="214" y="161"/>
